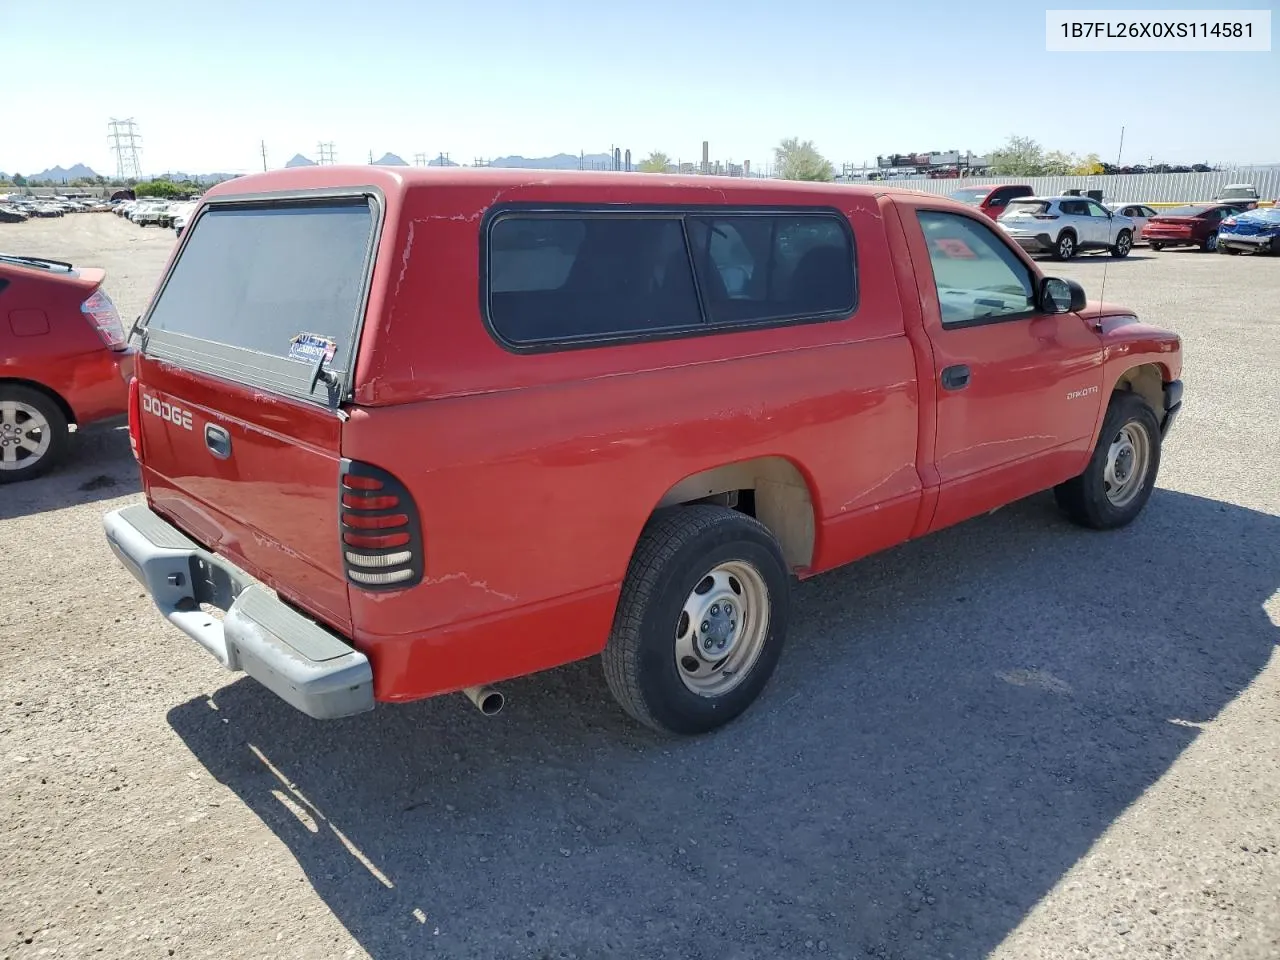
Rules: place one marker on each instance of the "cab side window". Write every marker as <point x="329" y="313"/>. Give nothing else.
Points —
<point x="978" y="278"/>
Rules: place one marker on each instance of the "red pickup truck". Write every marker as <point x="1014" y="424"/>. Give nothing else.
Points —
<point x="416" y="432"/>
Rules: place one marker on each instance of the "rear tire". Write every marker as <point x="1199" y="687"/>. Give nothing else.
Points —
<point x="1210" y="244"/>
<point x="1121" y="474"/>
<point x="33" y="434"/>
<point x="1123" y="244"/>
<point x="701" y="576"/>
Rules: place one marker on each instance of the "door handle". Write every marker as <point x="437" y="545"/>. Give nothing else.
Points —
<point x="955" y="378"/>
<point x="217" y="440"/>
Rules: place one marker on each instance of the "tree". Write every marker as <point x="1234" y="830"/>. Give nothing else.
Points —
<point x="801" y="161"/>
<point x="656" y="162"/>
<point x="19" y="180"/>
<point x="1019" y="157"/>
<point x="1090" y="166"/>
<point x="1058" y="164"/>
<point x="164" y="188"/>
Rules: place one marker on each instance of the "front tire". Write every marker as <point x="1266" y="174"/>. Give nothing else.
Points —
<point x="1065" y="247"/>
<point x="1229" y="251"/>
<point x="1121" y="474"/>
<point x="701" y="621"/>
<point x="33" y="434"/>
<point x="1123" y="244"/>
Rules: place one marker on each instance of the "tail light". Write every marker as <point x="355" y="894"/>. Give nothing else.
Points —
<point x="103" y="317"/>
<point x="135" y="419"/>
<point x="378" y="522"/>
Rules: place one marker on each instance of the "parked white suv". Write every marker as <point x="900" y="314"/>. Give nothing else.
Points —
<point x="1063" y="226"/>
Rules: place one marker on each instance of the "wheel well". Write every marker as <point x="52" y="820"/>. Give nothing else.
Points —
<point x="41" y="388"/>
<point x="770" y="489"/>
<point x="1147" y="382"/>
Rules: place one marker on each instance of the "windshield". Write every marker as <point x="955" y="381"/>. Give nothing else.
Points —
<point x="1187" y="211"/>
<point x="1238" y="193"/>
<point x="970" y="195"/>
<point x="1266" y="215"/>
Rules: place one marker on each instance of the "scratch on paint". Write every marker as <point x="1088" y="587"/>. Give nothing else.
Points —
<point x="478" y="584"/>
<point x="404" y="257"/>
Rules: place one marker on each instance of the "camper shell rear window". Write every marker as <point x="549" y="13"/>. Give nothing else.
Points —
<point x="262" y="292"/>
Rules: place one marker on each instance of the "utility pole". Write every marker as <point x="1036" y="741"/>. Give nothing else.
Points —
<point x="264" y="156"/>
<point x="1120" y="152"/>
<point x="371" y="158"/>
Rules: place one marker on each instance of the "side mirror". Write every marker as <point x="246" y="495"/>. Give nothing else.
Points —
<point x="1061" y="296"/>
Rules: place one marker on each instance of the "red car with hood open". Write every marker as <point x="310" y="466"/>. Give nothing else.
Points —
<point x="421" y="431"/>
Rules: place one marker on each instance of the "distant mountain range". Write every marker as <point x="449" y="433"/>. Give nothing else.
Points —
<point x="561" y="161"/>
<point x="61" y="174"/>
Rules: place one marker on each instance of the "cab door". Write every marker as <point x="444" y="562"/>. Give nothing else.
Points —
<point x="1019" y="390"/>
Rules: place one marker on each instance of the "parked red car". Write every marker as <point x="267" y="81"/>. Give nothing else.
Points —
<point x="64" y="359"/>
<point x="422" y="431"/>
<point x="1195" y="225"/>
<point x="991" y="200"/>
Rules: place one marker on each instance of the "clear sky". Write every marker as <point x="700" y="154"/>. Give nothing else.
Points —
<point x="207" y="81"/>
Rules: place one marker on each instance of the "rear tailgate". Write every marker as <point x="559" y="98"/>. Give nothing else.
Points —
<point x="240" y="442"/>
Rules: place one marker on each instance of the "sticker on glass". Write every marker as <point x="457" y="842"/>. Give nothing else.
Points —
<point x="310" y="347"/>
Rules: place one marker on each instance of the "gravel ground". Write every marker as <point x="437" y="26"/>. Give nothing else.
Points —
<point x="1012" y="739"/>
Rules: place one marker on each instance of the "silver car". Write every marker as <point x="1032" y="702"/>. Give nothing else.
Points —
<point x="1064" y="226"/>
<point x="1139" y="213"/>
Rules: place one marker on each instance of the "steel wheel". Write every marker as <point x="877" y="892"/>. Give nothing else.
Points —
<point x="722" y="628"/>
<point x="1127" y="463"/>
<point x="25" y="436"/>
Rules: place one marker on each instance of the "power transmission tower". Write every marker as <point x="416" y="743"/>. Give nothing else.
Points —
<point x="125" y="141"/>
<point x="419" y="159"/>
<point x="326" y="152"/>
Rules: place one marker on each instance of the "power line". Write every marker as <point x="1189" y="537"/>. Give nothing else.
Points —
<point x="125" y="141"/>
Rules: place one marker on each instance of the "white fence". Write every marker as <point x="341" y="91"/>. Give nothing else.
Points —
<point x="1144" y="187"/>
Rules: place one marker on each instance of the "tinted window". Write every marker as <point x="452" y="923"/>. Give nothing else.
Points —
<point x="285" y="281"/>
<point x="758" y="268"/>
<point x="973" y="195"/>
<point x="1074" y="208"/>
<point x="976" y="274"/>
<point x="1025" y="208"/>
<point x="563" y="278"/>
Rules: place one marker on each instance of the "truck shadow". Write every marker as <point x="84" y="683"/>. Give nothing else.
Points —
<point x="98" y="466"/>
<point x="954" y="724"/>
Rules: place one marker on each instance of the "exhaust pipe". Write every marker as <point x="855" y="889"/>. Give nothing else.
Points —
<point x="488" y="700"/>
